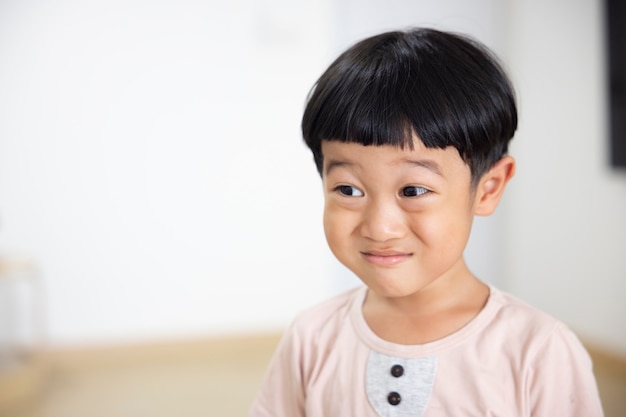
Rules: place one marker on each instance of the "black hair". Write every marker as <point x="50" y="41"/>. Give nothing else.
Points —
<point x="446" y="88"/>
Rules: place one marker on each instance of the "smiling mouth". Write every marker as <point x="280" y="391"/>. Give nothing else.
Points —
<point x="386" y="258"/>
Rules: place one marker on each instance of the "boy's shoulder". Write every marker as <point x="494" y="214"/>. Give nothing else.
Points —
<point x="510" y="307"/>
<point x="532" y="327"/>
<point x="331" y="306"/>
<point x="329" y="314"/>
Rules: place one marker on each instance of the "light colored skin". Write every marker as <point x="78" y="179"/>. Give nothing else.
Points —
<point x="400" y="220"/>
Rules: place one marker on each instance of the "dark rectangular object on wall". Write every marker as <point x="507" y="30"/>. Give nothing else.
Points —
<point x="616" y="40"/>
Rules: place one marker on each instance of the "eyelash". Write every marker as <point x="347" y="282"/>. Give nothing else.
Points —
<point x="348" y="191"/>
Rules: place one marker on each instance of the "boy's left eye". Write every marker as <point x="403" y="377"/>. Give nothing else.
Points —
<point x="414" y="191"/>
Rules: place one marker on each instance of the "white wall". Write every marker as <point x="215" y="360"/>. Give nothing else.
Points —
<point x="566" y="208"/>
<point x="151" y="161"/>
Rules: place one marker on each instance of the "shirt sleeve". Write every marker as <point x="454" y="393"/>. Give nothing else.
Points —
<point x="561" y="381"/>
<point x="282" y="390"/>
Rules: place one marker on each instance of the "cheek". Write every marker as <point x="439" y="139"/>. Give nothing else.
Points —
<point x="443" y="229"/>
<point x="336" y="227"/>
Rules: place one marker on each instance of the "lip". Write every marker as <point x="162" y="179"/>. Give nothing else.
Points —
<point x="385" y="258"/>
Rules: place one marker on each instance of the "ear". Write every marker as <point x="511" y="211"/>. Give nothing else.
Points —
<point x="491" y="186"/>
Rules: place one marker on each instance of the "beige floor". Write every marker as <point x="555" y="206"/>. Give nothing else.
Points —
<point x="206" y="378"/>
<point x="216" y="378"/>
<point x="610" y="370"/>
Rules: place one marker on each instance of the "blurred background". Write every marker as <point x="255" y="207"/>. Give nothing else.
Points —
<point x="157" y="202"/>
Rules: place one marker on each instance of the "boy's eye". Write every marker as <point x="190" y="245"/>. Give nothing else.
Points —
<point x="414" y="191"/>
<point x="349" y="191"/>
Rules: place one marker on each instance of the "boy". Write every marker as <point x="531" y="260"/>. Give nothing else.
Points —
<point x="409" y="132"/>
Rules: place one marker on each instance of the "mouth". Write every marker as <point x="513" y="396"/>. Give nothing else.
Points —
<point x="385" y="258"/>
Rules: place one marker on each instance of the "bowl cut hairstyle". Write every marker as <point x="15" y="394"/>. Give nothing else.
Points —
<point x="446" y="88"/>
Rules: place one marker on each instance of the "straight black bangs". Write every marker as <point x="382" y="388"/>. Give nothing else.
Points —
<point x="445" y="89"/>
<point x="356" y="99"/>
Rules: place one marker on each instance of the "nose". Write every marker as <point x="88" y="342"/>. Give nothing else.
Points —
<point x="382" y="221"/>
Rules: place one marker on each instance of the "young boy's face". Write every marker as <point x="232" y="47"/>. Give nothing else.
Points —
<point x="399" y="219"/>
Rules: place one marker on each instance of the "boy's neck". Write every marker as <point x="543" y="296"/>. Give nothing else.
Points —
<point x="431" y="314"/>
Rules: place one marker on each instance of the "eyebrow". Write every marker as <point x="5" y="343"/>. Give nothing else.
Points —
<point x="423" y="163"/>
<point x="335" y="163"/>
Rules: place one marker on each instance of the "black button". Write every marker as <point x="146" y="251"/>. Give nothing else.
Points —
<point x="394" y="398"/>
<point x="397" y="371"/>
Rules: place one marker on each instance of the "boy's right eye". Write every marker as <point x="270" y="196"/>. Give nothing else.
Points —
<point x="349" y="191"/>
